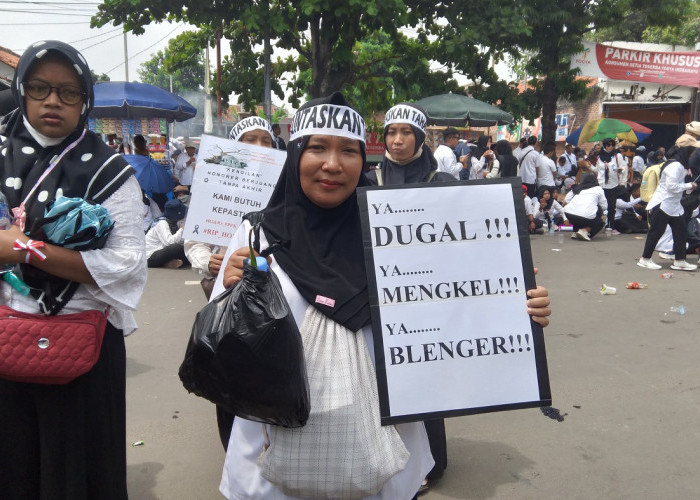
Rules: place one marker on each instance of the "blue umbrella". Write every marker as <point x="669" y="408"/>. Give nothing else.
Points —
<point x="152" y="176"/>
<point x="135" y="100"/>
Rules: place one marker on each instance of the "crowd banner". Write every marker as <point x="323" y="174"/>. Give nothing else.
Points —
<point x="616" y="63"/>
<point x="448" y="267"/>
<point x="231" y="179"/>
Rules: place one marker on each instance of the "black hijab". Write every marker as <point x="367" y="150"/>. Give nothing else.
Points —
<point x="587" y="181"/>
<point x="90" y="170"/>
<point x="540" y="193"/>
<point x="321" y="248"/>
<point x="420" y="168"/>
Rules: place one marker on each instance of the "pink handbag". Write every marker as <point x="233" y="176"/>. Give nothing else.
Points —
<point x="49" y="349"/>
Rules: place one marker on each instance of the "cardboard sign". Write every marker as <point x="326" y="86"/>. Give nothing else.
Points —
<point x="231" y="179"/>
<point x="448" y="267"/>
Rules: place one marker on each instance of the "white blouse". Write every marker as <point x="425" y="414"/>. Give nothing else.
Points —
<point x="241" y="477"/>
<point x="119" y="268"/>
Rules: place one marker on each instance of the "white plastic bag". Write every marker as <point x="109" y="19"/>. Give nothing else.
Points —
<point x="342" y="452"/>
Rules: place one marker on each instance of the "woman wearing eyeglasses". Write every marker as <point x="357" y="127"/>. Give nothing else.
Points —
<point x="68" y="440"/>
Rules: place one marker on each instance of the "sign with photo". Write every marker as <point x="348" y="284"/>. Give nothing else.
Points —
<point x="231" y="179"/>
<point x="448" y="267"/>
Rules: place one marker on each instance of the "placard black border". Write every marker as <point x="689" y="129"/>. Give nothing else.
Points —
<point x="528" y="273"/>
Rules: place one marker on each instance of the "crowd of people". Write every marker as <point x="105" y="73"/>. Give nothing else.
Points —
<point x="586" y="192"/>
<point x="68" y="440"/>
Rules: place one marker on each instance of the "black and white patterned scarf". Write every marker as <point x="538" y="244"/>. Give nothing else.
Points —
<point x="89" y="170"/>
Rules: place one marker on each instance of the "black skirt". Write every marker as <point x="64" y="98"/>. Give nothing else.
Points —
<point x="67" y="441"/>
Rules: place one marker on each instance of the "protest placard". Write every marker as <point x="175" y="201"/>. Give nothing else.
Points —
<point x="231" y="179"/>
<point x="448" y="267"/>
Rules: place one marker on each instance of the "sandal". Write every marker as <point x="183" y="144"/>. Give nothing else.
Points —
<point x="425" y="486"/>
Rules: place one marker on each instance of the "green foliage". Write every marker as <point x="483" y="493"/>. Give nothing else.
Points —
<point x="183" y="58"/>
<point x="675" y="22"/>
<point x="98" y="78"/>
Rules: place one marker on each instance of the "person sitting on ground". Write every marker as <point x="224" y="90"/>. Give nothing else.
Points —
<point x="629" y="212"/>
<point x="547" y="209"/>
<point x="534" y="226"/>
<point x="151" y="212"/>
<point x="164" y="243"/>
<point x="584" y="206"/>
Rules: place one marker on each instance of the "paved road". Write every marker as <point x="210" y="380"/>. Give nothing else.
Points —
<point x="623" y="370"/>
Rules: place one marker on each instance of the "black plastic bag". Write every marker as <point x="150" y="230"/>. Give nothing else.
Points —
<point x="246" y="354"/>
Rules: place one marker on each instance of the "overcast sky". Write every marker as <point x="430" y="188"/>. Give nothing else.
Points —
<point x="103" y="48"/>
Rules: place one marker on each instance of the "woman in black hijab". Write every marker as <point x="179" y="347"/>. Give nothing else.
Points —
<point x="67" y="441"/>
<point x="322" y="251"/>
<point x="407" y="160"/>
<point x="313" y="214"/>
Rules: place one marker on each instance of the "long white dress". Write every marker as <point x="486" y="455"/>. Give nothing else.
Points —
<point x="241" y="478"/>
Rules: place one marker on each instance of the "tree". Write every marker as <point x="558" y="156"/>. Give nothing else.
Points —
<point x="683" y="30"/>
<point x="544" y="32"/>
<point x="322" y="32"/>
<point x="98" y="78"/>
<point x="182" y="59"/>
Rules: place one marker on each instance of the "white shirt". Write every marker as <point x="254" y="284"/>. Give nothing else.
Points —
<point x="545" y="169"/>
<point x="447" y="161"/>
<point x="150" y="213"/>
<point x="182" y="171"/>
<point x="118" y="268"/>
<point x="528" y="165"/>
<point x="622" y="205"/>
<point x="554" y="210"/>
<point x="638" y="164"/>
<point x="241" y="477"/>
<point x="199" y="255"/>
<point x="670" y="190"/>
<point x="616" y="163"/>
<point x="586" y="203"/>
<point x="159" y="236"/>
<point x="476" y="171"/>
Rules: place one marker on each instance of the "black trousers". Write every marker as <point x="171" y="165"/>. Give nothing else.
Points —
<point x="438" y="446"/>
<point x="160" y="257"/>
<point x="60" y="442"/>
<point x="611" y="197"/>
<point x="580" y="222"/>
<point x="658" y="220"/>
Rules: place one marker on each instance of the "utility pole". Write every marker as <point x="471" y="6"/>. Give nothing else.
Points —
<point x="268" y="55"/>
<point x="208" y="125"/>
<point x="219" y="125"/>
<point x="126" y="60"/>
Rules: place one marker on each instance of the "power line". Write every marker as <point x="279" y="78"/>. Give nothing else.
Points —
<point x="101" y="41"/>
<point x="56" y="4"/>
<point x="147" y="48"/>
<point x="95" y="36"/>
<point x="45" y="12"/>
<point x="43" y="24"/>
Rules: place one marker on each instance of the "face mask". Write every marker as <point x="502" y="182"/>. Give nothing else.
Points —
<point x="184" y="198"/>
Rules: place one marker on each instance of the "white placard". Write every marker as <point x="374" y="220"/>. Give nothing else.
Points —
<point x="448" y="268"/>
<point x="231" y="179"/>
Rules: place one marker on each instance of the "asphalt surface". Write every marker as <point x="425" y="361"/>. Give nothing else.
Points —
<point x="623" y="372"/>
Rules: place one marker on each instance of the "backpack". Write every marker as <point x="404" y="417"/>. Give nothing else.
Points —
<point x="650" y="180"/>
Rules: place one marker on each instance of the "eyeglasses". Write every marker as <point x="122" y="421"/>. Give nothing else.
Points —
<point x="40" y="90"/>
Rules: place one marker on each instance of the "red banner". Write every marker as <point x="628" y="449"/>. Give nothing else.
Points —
<point x="616" y="63"/>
